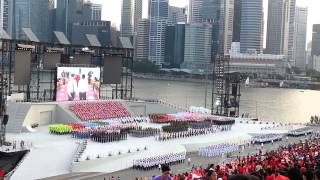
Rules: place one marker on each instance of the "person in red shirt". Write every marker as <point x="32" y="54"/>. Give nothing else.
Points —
<point x="1" y="174"/>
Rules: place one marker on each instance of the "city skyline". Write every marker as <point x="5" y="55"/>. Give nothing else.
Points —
<point x="113" y="13"/>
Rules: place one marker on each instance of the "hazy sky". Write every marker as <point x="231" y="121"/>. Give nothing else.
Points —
<point x="111" y="10"/>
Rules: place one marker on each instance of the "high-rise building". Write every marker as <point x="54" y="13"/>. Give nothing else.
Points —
<point x="315" y="51"/>
<point x="315" y="40"/>
<point x="197" y="47"/>
<point x="101" y="29"/>
<point x="291" y="35"/>
<point x="204" y="10"/>
<point x="236" y="21"/>
<point x="158" y="15"/>
<point x="96" y="12"/>
<point x="29" y="14"/>
<point x="142" y="44"/>
<point x="280" y="30"/>
<point x="275" y="26"/>
<point x="174" y="44"/>
<point x="300" y="35"/>
<point x="131" y="12"/>
<point x="251" y="31"/>
<point x="137" y="13"/>
<point x="195" y="7"/>
<point x="4" y="14"/>
<point x="69" y="12"/>
<point x="308" y="55"/>
<point x="220" y="13"/>
<point x="127" y="18"/>
<point x="226" y="25"/>
<point x="177" y="14"/>
<point x="52" y="20"/>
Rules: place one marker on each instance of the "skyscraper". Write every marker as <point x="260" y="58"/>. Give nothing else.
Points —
<point x="30" y="14"/>
<point x="251" y="31"/>
<point x="220" y="14"/>
<point x="96" y="12"/>
<point x="195" y="7"/>
<point x="127" y="18"/>
<point x="137" y="13"/>
<point x="177" y="14"/>
<point x="158" y="15"/>
<point x="315" y="40"/>
<point x="226" y="25"/>
<point x="4" y="14"/>
<point x="315" y="51"/>
<point x="275" y="26"/>
<point x="174" y="46"/>
<point x="300" y="37"/>
<point x="236" y="21"/>
<point x="142" y="44"/>
<point x="280" y="30"/>
<point x="291" y="35"/>
<point x="197" y="47"/>
<point x="131" y="12"/>
<point x="69" y="12"/>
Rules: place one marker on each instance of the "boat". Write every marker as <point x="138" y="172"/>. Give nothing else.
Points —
<point x="247" y="83"/>
<point x="281" y="84"/>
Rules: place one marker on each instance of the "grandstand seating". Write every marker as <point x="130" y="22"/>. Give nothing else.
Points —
<point x="87" y="111"/>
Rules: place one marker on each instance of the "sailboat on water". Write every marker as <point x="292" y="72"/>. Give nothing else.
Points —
<point x="247" y="82"/>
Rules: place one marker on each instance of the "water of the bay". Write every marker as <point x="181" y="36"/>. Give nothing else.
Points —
<point x="268" y="104"/>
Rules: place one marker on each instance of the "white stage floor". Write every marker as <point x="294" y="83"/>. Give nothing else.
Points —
<point x="52" y="155"/>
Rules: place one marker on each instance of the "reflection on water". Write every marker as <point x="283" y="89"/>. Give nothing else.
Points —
<point x="281" y="105"/>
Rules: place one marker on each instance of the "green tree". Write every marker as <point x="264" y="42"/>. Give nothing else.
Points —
<point x="145" y="67"/>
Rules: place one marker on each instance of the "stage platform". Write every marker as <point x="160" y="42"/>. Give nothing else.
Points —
<point x="24" y="115"/>
<point x="52" y="155"/>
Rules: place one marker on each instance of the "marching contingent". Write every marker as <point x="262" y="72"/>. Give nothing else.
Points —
<point x="262" y="138"/>
<point x="156" y="161"/>
<point x="300" y="131"/>
<point x="217" y="150"/>
<point x="192" y="132"/>
<point x="144" y="132"/>
<point x="105" y="137"/>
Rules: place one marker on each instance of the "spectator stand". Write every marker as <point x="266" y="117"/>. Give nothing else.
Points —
<point x="87" y="111"/>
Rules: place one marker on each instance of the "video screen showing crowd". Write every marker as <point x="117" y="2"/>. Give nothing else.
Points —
<point x="77" y="83"/>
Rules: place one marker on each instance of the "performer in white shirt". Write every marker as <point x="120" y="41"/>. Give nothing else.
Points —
<point x="83" y="87"/>
<point x="71" y="88"/>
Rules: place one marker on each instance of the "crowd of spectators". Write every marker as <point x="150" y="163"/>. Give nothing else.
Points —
<point x="292" y="162"/>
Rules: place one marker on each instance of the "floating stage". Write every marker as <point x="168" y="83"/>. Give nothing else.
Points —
<point x="52" y="155"/>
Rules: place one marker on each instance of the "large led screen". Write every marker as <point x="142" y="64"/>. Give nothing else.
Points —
<point x="78" y="83"/>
